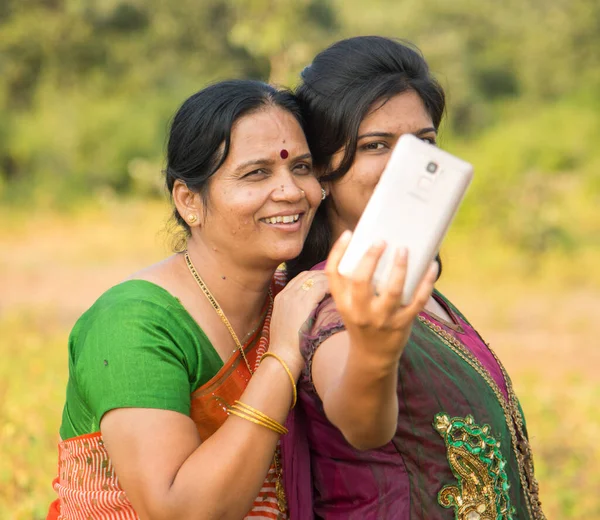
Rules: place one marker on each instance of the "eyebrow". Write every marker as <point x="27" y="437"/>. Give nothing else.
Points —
<point x="268" y="162"/>
<point x="301" y="157"/>
<point x="253" y="162"/>
<point x="390" y="135"/>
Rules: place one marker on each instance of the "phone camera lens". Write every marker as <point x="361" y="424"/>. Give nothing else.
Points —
<point x="432" y="167"/>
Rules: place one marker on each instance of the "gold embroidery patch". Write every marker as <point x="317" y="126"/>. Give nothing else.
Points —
<point x="478" y="465"/>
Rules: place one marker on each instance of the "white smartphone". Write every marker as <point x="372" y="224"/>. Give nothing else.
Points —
<point x="412" y="206"/>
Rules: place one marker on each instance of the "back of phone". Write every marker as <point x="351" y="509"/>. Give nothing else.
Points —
<point x="412" y="206"/>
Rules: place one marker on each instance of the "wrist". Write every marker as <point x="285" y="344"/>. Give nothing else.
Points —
<point x="276" y="363"/>
<point x="294" y="362"/>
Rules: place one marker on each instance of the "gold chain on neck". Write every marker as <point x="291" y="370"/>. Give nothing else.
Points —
<point x="279" y="491"/>
<point x="213" y="301"/>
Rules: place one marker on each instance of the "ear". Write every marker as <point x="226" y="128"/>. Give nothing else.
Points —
<point x="188" y="203"/>
<point x="320" y="173"/>
<point x="326" y="185"/>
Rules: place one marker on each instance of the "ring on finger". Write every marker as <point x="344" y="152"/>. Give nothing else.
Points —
<point x="307" y="284"/>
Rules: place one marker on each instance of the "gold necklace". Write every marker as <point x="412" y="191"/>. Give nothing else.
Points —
<point x="213" y="301"/>
<point x="512" y="416"/>
<point x="279" y="491"/>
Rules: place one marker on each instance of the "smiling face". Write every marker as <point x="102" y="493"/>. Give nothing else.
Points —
<point x="261" y="201"/>
<point x="378" y="133"/>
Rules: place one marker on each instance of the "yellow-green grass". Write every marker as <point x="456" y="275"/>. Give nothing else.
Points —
<point x="53" y="266"/>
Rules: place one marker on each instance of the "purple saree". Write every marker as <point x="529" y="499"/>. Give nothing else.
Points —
<point x="460" y="449"/>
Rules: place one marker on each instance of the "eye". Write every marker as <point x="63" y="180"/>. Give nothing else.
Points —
<point x="303" y="168"/>
<point x="377" y="145"/>
<point x="255" y="174"/>
<point x="430" y="140"/>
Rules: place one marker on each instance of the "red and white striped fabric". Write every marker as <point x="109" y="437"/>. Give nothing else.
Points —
<point x="265" y="506"/>
<point x="86" y="484"/>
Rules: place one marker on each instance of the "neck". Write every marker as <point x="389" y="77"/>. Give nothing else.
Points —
<point x="336" y="223"/>
<point x="240" y="289"/>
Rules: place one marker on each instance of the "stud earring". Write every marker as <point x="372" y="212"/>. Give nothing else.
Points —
<point x="323" y="194"/>
<point x="192" y="218"/>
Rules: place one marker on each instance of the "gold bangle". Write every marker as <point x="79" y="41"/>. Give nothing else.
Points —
<point x="289" y="373"/>
<point x="242" y="415"/>
<point x="251" y="419"/>
<point x="276" y="427"/>
<point x="264" y="419"/>
<point x="249" y="409"/>
<point x="243" y="407"/>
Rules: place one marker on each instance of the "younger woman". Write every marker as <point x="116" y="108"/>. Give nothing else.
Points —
<point x="410" y="415"/>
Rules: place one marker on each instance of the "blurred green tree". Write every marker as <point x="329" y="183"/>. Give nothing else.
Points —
<point x="87" y="88"/>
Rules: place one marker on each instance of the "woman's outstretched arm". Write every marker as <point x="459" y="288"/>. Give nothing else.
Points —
<point x="355" y="371"/>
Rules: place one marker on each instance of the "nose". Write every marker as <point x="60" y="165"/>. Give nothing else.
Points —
<point x="286" y="189"/>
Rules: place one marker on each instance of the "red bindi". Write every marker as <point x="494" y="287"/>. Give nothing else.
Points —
<point x="284" y="154"/>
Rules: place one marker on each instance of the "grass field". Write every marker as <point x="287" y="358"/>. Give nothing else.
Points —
<point x="52" y="267"/>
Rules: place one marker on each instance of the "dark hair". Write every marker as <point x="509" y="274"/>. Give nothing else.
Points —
<point x="336" y="93"/>
<point x="200" y="134"/>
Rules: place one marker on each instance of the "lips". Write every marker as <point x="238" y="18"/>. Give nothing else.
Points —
<point x="282" y="219"/>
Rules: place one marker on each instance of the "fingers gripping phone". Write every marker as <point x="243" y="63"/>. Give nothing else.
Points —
<point x="412" y="206"/>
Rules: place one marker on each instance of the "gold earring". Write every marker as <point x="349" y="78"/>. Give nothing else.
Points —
<point x="323" y="194"/>
<point x="192" y="218"/>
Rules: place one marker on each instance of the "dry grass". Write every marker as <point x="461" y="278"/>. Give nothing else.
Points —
<point x="53" y="266"/>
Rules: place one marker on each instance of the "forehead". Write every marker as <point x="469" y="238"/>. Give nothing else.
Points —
<point x="267" y="129"/>
<point x="404" y="112"/>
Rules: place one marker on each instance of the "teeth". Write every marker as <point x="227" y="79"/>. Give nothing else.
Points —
<point x="287" y="219"/>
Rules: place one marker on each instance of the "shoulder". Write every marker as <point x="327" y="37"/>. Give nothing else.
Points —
<point x="137" y="347"/>
<point x="136" y="290"/>
<point x="139" y="330"/>
<point x="136" y="312"/>
<point x="133" y="298"/>
<point x="452" y="307"/>
<point x="324" y="322"/>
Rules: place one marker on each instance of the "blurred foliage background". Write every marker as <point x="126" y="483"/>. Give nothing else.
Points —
<point x="87" y="88"/>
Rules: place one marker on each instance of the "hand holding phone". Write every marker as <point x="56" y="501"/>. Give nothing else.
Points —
<point x="412" y="207"/>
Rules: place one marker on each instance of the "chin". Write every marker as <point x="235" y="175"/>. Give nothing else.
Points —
<point x="285" y="254"/>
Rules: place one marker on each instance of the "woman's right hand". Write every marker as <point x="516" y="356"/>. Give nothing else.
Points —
<point x="378" y="324"/>
<point x="292" y="307"/>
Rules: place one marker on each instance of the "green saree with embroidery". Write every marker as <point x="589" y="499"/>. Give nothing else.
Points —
<point x="461" y="447"/>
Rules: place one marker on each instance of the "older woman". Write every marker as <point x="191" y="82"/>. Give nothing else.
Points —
<point x="410" y="415"/>
<point x="169" y="412"/>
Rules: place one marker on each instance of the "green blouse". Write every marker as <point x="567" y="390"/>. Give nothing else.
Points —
<point x="136" y="347"/>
